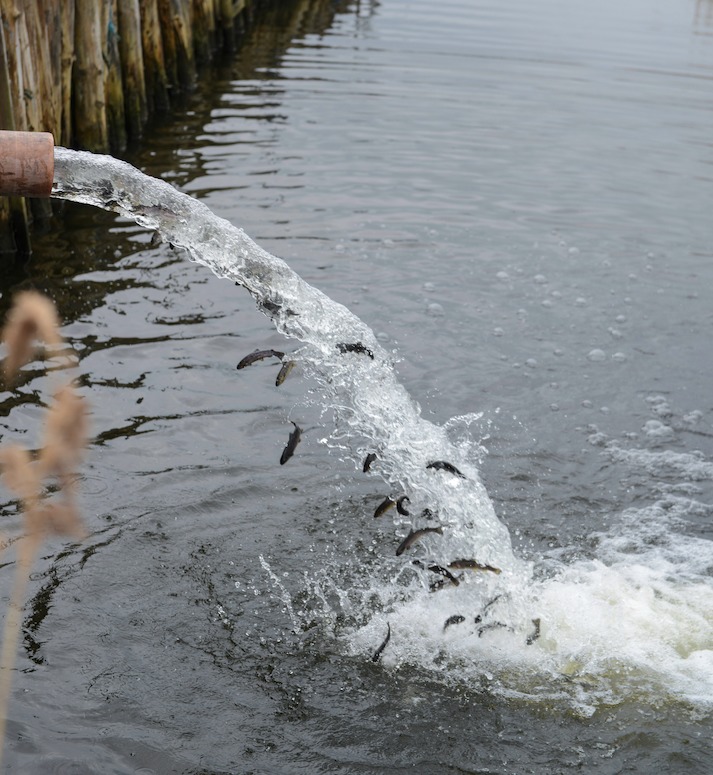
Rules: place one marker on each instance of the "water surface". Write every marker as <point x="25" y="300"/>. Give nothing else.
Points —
<point x="517" y="201"/>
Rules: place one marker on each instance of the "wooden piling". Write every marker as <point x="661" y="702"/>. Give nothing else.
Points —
<point x="91" y="72"/>
<point x="132" y="67"/>
<point x="89" y="112"/>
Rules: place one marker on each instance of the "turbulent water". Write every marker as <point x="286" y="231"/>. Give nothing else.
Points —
<point x="515" y="202"/>
<point x="609" y="626"/>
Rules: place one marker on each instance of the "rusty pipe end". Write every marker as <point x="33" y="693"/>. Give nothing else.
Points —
<point x="26" y="163"/>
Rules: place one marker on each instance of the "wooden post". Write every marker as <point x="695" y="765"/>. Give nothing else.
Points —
<point x="154" y="63"/>
<point x="132" y="63"/>
<point x="89" y="111"/>
<point x="168" y="37"/>
<point x="66" y="134"/>
<point x="203" y="24"/>
<point x="39" y="92"/>
<point x="14" y="226"/>
<point x="227" y="19"/>
<point x="113" y="87"/>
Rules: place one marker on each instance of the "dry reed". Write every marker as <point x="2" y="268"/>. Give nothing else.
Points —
<point x="33" y="318"/>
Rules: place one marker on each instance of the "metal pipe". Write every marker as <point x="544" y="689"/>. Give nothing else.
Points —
<point x="26" y="163"/>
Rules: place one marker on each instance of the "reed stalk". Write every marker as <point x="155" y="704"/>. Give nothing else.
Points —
<point x="33" y="318"/>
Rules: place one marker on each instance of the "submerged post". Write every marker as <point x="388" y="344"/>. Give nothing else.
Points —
<point x="26" y="163"/>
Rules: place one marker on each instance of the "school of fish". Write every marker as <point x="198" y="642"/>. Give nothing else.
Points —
<point x="447" y="578"/>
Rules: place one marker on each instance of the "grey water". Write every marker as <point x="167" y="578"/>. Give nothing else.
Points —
<point x="517" y="202"/>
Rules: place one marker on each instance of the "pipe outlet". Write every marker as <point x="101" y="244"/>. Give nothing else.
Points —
<point x="26" y="163"/>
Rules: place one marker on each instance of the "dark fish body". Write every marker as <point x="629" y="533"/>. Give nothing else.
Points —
<point x="414" y="536"/>
<point x="292" y="443"/>
<point x="259" y="355"/>
<point x="287" y="367"/>
<point x="383" y="507"/>
<point x="443" y="465"/>
<point x="445" y="573"/>
<point x="472" y="565"/>
<point x="535" y="634"/>
<point x="377" y="654"/>
<point x="491" y="626"/>
<point x="441" y="584"/>
<point x="479" y="617"/>
<point x="455" y="619"/>
<point x="368" y="460"/>
<point x="400" y="505"/>
<point x="354" y="347"/>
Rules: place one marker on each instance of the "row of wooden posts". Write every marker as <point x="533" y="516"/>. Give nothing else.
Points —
<point x="92" y="71"/>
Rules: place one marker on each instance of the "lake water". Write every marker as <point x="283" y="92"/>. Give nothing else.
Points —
<point x="517" y="200"/>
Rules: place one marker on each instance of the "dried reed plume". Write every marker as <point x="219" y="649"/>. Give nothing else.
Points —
<point x="33" y="318"/>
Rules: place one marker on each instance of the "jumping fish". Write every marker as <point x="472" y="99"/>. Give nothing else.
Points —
<point x="383" y="507"/>
<point x="472" y="565"/>
<point x="455" y="619"/>
<point x="368" y="460"/>
<point x="491" y="626"/>
<point x="479" y="617"/>
<point x="258" y="355"/>
<point x="442" y="584"/>
<point x="287" y="367"/>
<point x="442" y="465"/>
<point x="354" y="347"/>
<point x="377" y="653"/>
<point x="400" y="505"/>
<point x="414" y="536"/>
<point x="447" y="575"/>
<point x="292" y="443"/>
<point x="535" y="634"/>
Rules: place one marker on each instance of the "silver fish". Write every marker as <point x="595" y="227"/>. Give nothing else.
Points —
<point x="287" y="367"/>
<point x="377" y="654"/>
<point x="491" y="626"/>
<point x="400" y="505"/>
<point x="368" y="460"/>
<point x="455" y="619"/>
<point x="383" y="507"/>
<point x="354" y="347"/>
<point x="447" y="575"/>
<point x="414" y="536"/>
<point x="259" y="355"/>
<point x="443" y="465"/>
<point x="292" y="443"/>
<point x="479" y="617"/>
<point x="472" y="565"/>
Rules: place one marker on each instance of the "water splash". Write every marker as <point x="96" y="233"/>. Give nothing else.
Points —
<point x="636" y="622"/>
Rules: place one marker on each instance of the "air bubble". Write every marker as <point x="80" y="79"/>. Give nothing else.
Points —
<point x="596" y="355"/>
<point x="435" y="310"/>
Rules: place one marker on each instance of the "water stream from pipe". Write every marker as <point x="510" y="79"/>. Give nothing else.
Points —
<point x="587" y="632"/>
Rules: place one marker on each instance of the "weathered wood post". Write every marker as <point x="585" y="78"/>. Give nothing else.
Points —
<point x="132" y="64"/>
<point x="14" y="230"/>
<point x="89" y="108"/>
<point x="156" y="78"/>
<point x="113" y="85"/>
